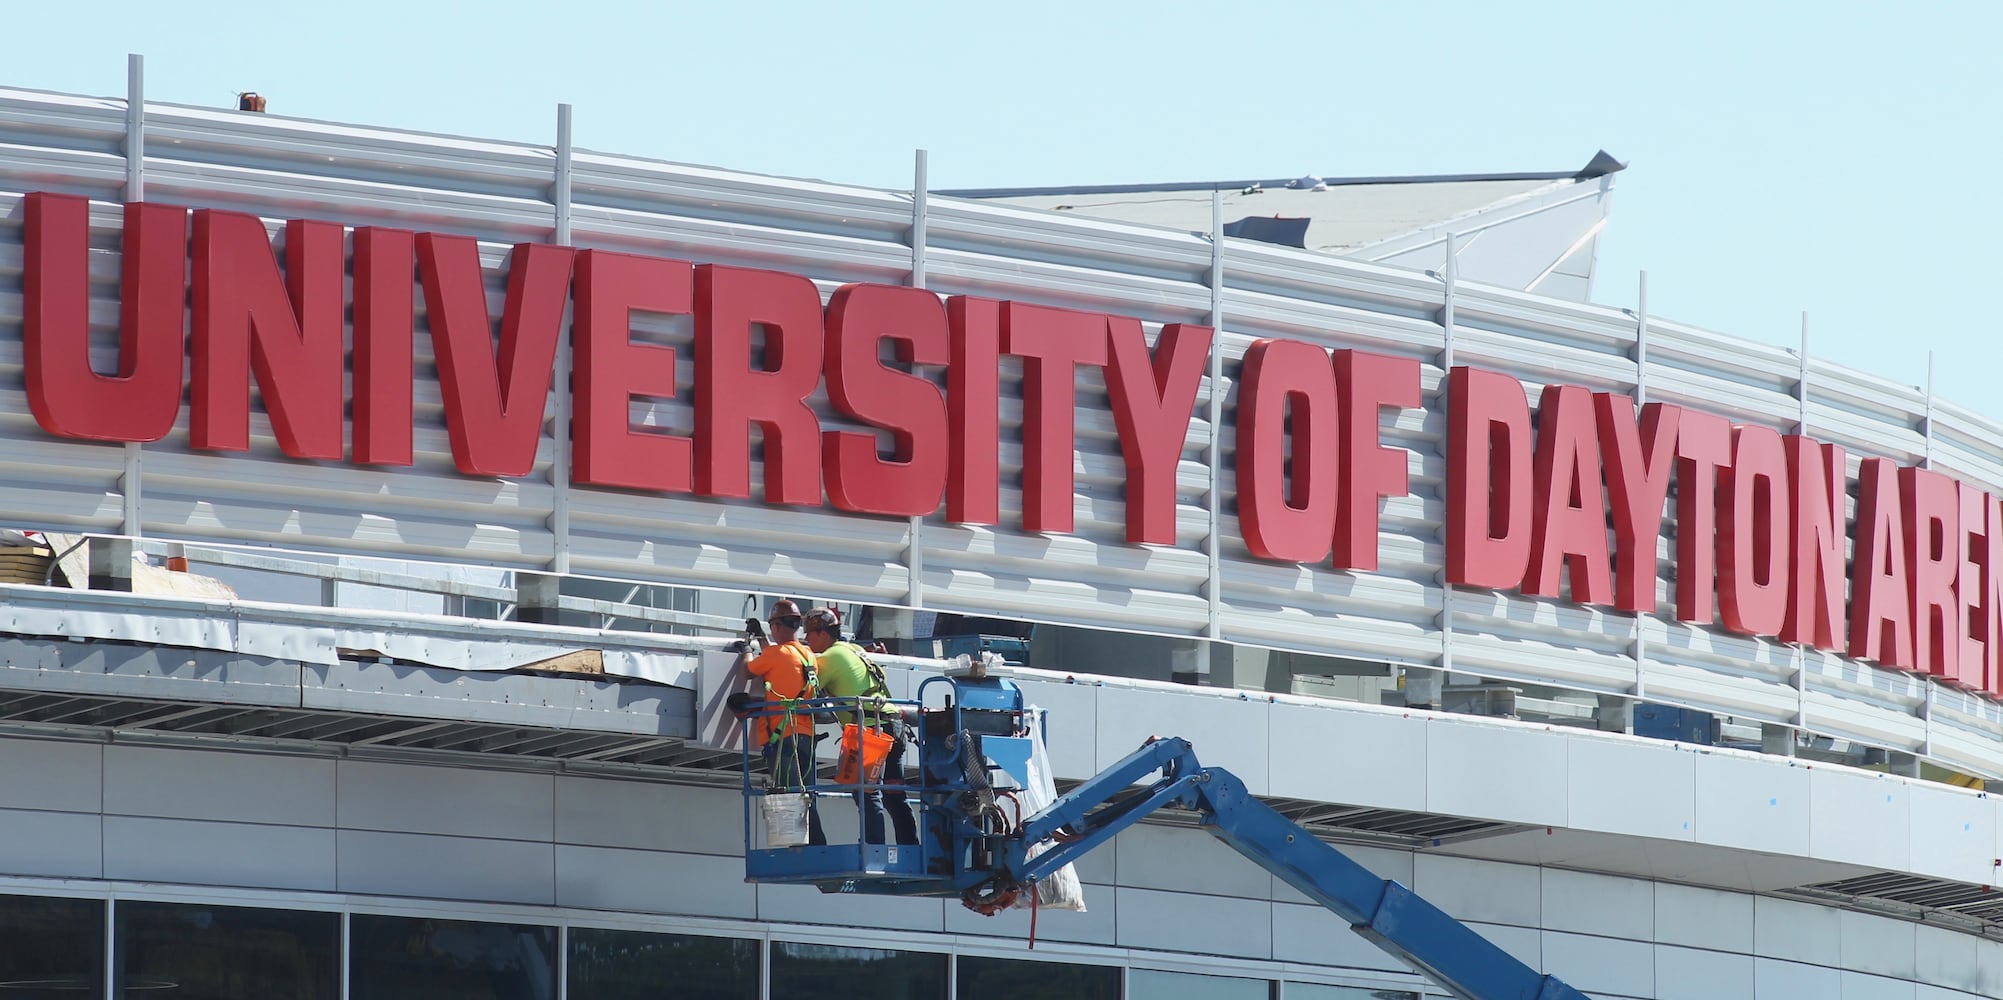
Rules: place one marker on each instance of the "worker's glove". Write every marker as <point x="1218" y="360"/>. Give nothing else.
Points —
<point x="737" y="646"/>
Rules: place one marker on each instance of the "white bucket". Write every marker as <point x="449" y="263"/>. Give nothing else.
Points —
<point x="785" y="819"/>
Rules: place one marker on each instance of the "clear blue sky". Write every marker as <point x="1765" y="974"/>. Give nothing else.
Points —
<point x="1834" y="158"/>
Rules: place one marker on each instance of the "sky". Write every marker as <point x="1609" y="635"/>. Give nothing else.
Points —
<point x="1833" y="158"/>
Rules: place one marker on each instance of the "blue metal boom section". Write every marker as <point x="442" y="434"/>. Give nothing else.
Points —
<point x="1386" y="913"/>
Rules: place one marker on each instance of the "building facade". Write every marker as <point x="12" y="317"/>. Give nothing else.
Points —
<point x="491" y="447"/>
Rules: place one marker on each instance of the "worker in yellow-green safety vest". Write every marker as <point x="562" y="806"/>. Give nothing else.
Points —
<point x="787" y="668"/>
<point x="845" y="671"/>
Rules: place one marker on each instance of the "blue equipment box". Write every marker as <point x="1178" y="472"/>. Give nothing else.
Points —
<point x="1683" y="725"/>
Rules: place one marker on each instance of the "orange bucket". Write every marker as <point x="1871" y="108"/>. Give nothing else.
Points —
<point x="874" y="749"/>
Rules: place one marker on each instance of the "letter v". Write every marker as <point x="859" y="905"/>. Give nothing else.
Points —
<point x="494" y="401"/>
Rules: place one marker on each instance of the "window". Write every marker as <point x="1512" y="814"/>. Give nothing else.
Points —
<point x="51" y="948"/>
<point x="200" y="952"/>
<point x="633" y="965"/>
<point x="1316" y="991"/>
<point x="1148" y="984"/>
<point x="418" y="958"/>
<point x="816" y="971"/>
<point x="1010" y="979"/>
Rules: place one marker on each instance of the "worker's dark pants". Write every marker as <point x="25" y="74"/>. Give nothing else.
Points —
<point x="790" y="761"/>
<point x="891" y="801"/>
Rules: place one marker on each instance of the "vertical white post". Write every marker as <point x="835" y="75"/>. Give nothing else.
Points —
<point x="1801" y="384"/>
<point x="130" y="483"/>
<point x="1641" y="343"/>
<point x="1452" y="274"/>
<point x="559" y="468"/>
<point x="914" y="555"/>
<point x="1213" y="587"/>
<point x="110" y="947"/>
<point x="1926" y="457"/>
<point x="347" y="952"/>
<point x="1641" y="399"/>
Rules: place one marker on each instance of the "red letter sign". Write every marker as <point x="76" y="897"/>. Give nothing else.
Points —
<point x="612" y="369"/>
<point x="68" y="398"/>
<point x="1815" y="611"/>
<point x="494" y="403"/>
<point x="385" y="271"/>
<point x="1283" y="516"/>
<point x="1932" y="508"/>
<point x="1152" y="406"/>
<point x="1703" y="445"/>
<point x="244" y="321"/>
<point x="1368" y="383"/>
<point x="1488" y="479"/>
<point x="973" y="411"/>
<point x="1754" y="534"/>
<point x="734" y="390"/>
<point x="1052" y="344"/>
<point x="1638" y="461"/>
<point x="1568" y="525"/>
<point x="1975" y="610"/>
<point x="911" y="482"/>
<point x="1878" y="590"/>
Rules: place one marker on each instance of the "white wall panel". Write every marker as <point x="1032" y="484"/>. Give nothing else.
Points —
<point x="1751" y="803"/>
<point x="1798" y="932"/>
<point x="1368" y="758"/>
<point x="197" y="784"/>
<point x="649" y="816"/>
<point x="1162" y="921"/>
<point x="404" y="864"/>
<point x="1223" y="732"/>
<point x="1606" y="905"/>
<point x="250" y="854"/>
<point x="1698" y="974"/>
<point x="1855" y="816"/>
<point x="1480" y="890"/>
<point x="1878" y="945"/>
<point x="1639" y="788"/>
<point x="1184" y="860"/>
<point x="602" y="878"/>
<point x="1600" y="965"/>
<point x="1947" y="958"/>
<point x="1702" y="918"/>
<point x="48" y="774"/>
<point x="1496" y="772"/>
<point x="1073" y="732"/>
<point x="1953" y="833"/>
<point x="60" y="844"/>
<point x="459" y="801"/>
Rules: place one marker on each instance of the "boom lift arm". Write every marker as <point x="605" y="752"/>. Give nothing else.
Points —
<point x="969" y="848"/>
<point x="1386" y="913"/>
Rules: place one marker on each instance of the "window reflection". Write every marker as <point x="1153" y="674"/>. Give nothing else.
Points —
<point x="51" y="948"/>
<point x="1149" y="984"/>
<point x="192" y="951"/>
<point x="1011" y="979"/>
<point x="636" y="965"/>
<point x="418" y="958"/>
<point x="815" y="971"/>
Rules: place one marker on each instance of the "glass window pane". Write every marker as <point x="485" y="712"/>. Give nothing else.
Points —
<point x="1317" y="991"/>
<point x="816" y="971"/>
<point x="1148" y="984"/>
<point x="193" y="951"/>
<point x="418" y="958"/>
<point x="1011" y="979"/>
<point x="51" y="948"/>
<point x="634" y="965"/>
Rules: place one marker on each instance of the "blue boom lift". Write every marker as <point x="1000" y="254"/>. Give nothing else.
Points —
<point x="973" y="747"/>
